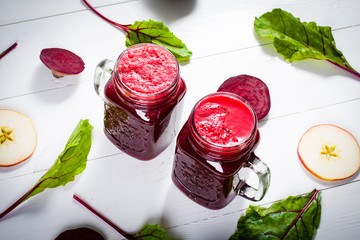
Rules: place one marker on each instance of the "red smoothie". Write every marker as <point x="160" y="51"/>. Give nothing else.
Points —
<point x="144" y="101"/>
<point x="215" y="142"/>
<point x="147" y="69"/>
<point x="223" y="120"/>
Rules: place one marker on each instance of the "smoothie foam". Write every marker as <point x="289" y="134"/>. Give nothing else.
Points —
<point x="224" y="120"/>
<point x="147" y="69"/>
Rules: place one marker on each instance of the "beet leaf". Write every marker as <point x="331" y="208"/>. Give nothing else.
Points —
<point x="151" y="232"/>
<point x="147" y="232"/>
<point x="150" y="32"/>
<point x="71" y="162"/>
<point x="296" y="40"/>
<point x="157" y="33"/>
<point x="8" y="50"/>
<point x="297" y="217"/>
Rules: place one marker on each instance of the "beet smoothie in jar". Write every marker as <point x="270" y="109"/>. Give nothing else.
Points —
<point x="215" y="143"/>
<point x="143" y="101"/>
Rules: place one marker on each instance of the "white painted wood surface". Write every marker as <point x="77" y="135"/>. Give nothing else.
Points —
<point x="132" y="192"/>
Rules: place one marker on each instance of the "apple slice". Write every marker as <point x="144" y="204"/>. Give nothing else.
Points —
<point x="329" y="152"/>
<point x="17" y="137"/>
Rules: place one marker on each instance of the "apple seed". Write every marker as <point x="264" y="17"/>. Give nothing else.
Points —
<point x="329" y="152"/>
<point x="5" y="134"/>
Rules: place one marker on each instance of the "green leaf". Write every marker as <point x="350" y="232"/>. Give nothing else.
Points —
<point x="296" y="40"/>
<point x="297" y="217"/>
<point x="157" y="33"/>
<point x="151" y="232"/>
<point x="71" y="162"/>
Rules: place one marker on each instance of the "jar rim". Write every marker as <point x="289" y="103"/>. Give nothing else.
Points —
<point x="146" y="97"/>
<point x="218" y="147"/>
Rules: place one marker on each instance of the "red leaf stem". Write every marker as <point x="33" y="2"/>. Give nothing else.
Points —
<point x="14" y="205"/>
<point x="122" y="27"/>
<point x="301" y="212"/>
<point x="8" y="50"/>
<point x="348" y="69"/>
<point x="18" y="202"/>
<point x="119" y="230"/>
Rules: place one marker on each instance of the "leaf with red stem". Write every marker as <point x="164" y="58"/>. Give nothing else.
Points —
<point x="297" y="217"/>
<point x="157" y="33"/>
<point x="150" y="32"/>
<point x="71" y="162"/>
<point x="8" y="50"/>
<point x="296" y="40"/>
<point x="147" y="232"/>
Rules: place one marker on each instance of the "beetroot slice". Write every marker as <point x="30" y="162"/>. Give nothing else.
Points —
<point x="80" y="234"/>
<point x="252" y="89"/>
<point x="62" y="62"/>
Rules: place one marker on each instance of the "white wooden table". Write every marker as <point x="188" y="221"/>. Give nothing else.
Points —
<point x="132" y="192"/>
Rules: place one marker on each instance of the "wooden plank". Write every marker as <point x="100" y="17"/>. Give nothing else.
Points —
<point x="17" y="11"/>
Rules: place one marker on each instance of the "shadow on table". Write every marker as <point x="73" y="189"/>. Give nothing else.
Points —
<point x="171" y="9"/>
<point x="329" y="184"/>
<point x="44" y="80"/>
<point x="181" y="213"/>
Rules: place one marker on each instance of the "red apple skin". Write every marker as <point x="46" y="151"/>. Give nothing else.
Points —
<point x="27" y="157"/>
<point x="325" y="179"/>
<point x="307" y="168"/>
<point x="16" y="163"/>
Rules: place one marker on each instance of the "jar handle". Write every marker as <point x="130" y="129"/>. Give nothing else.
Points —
<point x="102" y="73"/>
<point x="262" y="171"/>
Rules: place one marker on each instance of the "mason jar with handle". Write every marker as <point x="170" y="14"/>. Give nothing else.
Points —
<point x="143" y="97"/>
<point x="215" y="152"/>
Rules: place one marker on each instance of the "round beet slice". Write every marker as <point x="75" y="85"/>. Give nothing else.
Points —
<point x="252" y="89"/>
<point x="62" y="62"/>
<point x="80" y="234"/>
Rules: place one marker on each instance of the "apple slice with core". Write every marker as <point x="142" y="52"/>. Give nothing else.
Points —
<point x="17" y="137"/>
<point x="329" y="152"/>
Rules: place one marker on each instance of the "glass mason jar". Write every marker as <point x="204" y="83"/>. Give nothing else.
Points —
<point x="212" y="174"/>
<point x="140" y="123"/>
